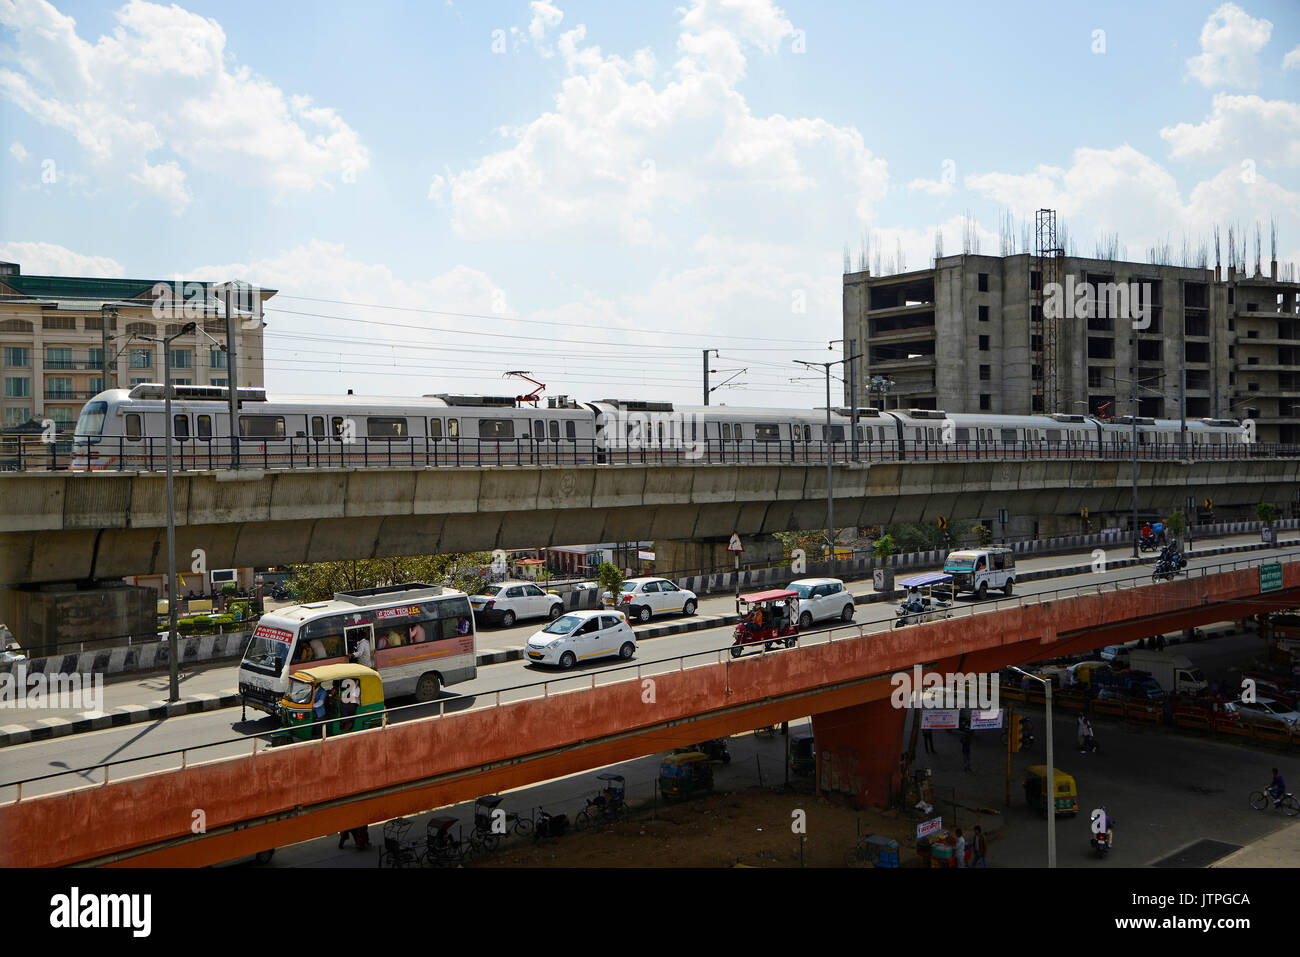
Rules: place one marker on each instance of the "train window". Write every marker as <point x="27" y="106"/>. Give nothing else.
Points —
<point x="496" y="428"/>
<point x="318" y="426"/>
<point x="859" y="433"/>
<point x="133" y="425"/>
<point x="726" y="431"/>
<point x="807" y="433"/>
<point x="554" y="425"/>
<point x="181" y="426"/>
<point x="917" y="434"/>
<point x="435" y="429"/>
<point x="539" y="430"/>
<point x="929" y="435"/>
<point x="337" y="427"/>
<point x="882" y="432"/>
<point x="261" y="426"/>
<point x="571" y="431"/>
<point x="1053" y="435"/>
<point x="385" y="427"/>
<point x="1008" y="436"/>
<point x="735" y="431"/>
<point x="203" y="424"/>
<point x="836" y="433"/>
<point x="770" y="432"/>
<point x="453" y="429"/>
<point x="962" y="436"/>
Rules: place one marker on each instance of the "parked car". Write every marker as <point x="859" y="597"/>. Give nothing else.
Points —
<point x="581" y="636"/>
<point x="1280" y="689"/>
<point x="508" y="602"/>
<point x="822" y="598"/>
<point x="1265" y="711"/>
<point x="643" y="598"/>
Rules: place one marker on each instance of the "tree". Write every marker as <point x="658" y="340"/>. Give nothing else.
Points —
<point x="983" y="535"/>
<point x="319" y="582"/>
<point x="610" y="579"/>
<point x="1176" y="523"/>
<point x="884" y="546"/>
<point x="1266" y="512"/>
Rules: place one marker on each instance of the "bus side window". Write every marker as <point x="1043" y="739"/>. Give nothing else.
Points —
<point x="204" y="424"/>
<point x="133" y="425"/>
<point x="318" y="426"/>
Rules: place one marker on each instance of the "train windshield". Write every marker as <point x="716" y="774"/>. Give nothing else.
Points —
<point x="90" y="426"/>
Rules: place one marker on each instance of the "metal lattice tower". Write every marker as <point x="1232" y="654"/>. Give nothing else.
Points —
<point x="1047" y="257"/>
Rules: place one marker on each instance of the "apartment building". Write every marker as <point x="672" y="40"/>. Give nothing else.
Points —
<point x="56" y="351"/>
<point x="969" y="335"/>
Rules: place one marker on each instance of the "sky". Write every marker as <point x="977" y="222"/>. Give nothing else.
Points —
<point x="595" y="193"/>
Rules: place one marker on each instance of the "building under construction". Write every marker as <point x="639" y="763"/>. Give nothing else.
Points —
<point x="1046" y="332"/>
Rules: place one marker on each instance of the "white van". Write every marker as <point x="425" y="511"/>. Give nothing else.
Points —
<point x="979" y="569"/>
<point x="581" y="636"/>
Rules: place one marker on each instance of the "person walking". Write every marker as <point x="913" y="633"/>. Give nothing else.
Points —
<point x="927" y="736"/>
<point x="979" y="848"/>
<point x="965" y="752"/>
<point x="1081" y="734"/>
<point x="1089" y="736"/>
<point x="959" y="849"/>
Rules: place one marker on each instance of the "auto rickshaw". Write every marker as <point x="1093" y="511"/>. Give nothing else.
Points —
<point x="803" y="755"/>
<point x="715" y="748"/>
<point x="1066" y="797"/>
<point x="297" y="708"/>
<point x="929" y="596"/>
<point x="768" y="618"/>
<point x="681" y="775"/>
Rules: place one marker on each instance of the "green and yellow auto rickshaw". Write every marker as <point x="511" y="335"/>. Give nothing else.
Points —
<point x="343" y="686"/>
<point x="803" y="755"/>
<point x="681" y="775"/>
<point x="1066" y="795"/>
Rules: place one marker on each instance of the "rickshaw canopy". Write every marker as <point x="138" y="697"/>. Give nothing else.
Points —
<point x="776" y="594"/>
<point x="683" y="759"/>
<point x="927" y="579"/>
<point x="372" y="686"/>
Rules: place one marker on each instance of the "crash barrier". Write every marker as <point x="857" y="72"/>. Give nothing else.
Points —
<point x="1070" y="700"/>
<point x="1150" y="713"/>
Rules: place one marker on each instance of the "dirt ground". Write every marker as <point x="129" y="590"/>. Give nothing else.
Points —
<point x="752" y="827"/>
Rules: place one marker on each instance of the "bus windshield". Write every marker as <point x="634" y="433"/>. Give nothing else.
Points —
<point x="91" y="423"/>
<point x="269" y="649"/>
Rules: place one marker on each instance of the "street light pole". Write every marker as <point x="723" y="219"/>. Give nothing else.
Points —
<point x="1051" y="769"/>
<point x="828" y="447"/>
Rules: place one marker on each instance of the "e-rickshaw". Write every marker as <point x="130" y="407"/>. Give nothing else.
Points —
<point x="803" y="755"/>
<point x="768" y="618"/>
<point x="929" y="596"/>
<point x="681" y="775"/>
<point x="297" y="707"/>
<point x="1066" y="797"/>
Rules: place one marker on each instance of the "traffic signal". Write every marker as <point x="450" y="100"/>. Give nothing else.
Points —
<point x="1014" y="733"/>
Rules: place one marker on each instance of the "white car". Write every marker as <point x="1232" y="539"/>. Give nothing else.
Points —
<point x="581" y="636"/>
<point x="822" y="598"/>
<point x="508" y="602"/>
<point x="1265" y="711"/>
<point x="643" y="598"/>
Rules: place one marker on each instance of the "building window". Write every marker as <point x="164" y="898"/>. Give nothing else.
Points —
<point x="986" y="373"/>
<point x="96" y="359"/>
<point x="182" y="358"/>
<point x="984" y="343"/>
<point x="986" y="402"/>
<point x="218" y="358"/>
<point x="141" y="358"/>
<point x="58" y="387"/>
<point x="62" y="415"/>
<point x="18" y="387"/>
<point x="18" y="357"/>
<point x="984" y="313"/>
<point x="983" y="282"/>
<point x="136" y="382"/>
<point x="216" y="380"/>
<point x="58" y="358"/>
<point x="15" y="416"/>
<point x="97" y="385"/>
<point x="59" y="322"/>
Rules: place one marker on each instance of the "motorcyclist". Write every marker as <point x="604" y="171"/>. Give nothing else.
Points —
<point x="1106" y="828"/>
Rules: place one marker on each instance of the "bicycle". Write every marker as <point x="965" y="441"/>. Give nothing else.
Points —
<point x="397" y="851"/>
<point x="442" y="849"/>
<point x="1287" y="804"/>
<point x="607" y="806"/>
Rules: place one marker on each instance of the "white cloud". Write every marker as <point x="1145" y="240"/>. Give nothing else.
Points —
<point x="620" y="156"/>
<point x="932" y="186"/>
<point x="160" y="82"/>
<point x="1267" y="131"/>
<point x="545" y="17"/>
<point x="1230" y="41"/>
<point x="51" y="259"/>
<point x="18" y="151"/>
<point x="1292" y="60"/>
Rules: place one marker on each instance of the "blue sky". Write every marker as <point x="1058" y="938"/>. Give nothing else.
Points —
<point x="596" y="191"/>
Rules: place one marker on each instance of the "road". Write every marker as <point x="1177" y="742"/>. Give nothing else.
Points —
<point x="504" y="682"/>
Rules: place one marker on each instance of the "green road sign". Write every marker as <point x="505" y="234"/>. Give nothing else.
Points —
<point x="1270" y="577"/>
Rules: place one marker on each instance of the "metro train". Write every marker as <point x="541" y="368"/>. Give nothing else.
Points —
<point x="121" y="429"/>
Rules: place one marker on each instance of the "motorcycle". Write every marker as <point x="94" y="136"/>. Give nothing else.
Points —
<point x="1148" y="543"/>
<point x="1101" y="844"/>
<point x="1168" y="566"/>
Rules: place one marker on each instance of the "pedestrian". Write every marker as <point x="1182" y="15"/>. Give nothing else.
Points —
<point x="979" y="848"/>
<point x="1089" y="737"/>
<point x="1081" y="734"/>
<point x="965" y="751"/>
<point x="1160" y="642"/>
<point x="928" y="737"/>
<point x="959" y="849"/>
<point x="360" y="837"/>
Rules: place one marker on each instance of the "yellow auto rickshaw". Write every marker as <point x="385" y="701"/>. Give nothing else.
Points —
<point x="681" y="775"/>
<point x="1066" y="795"/>
<point x="297" y="708"/>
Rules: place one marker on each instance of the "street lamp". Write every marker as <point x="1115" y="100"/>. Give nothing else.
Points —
<point x="1133" y="419"/>
<point x="174" y="692"/>
<point x="1051" y="769"/>
<point x="830" y="478"/>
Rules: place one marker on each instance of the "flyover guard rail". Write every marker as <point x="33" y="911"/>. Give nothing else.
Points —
<point x="148" y="454"/>
<point x="715" y="656"/>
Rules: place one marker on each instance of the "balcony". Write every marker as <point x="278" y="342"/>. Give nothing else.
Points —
<point x="70" y="395"/>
